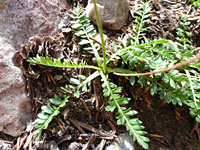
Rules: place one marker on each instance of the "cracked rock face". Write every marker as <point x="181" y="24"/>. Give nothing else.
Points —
<point x="113" y="13"/>
<point x="19" y="20"/>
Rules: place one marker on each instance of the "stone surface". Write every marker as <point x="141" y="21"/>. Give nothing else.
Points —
<point x="5" y="145"/>
<point x="20" y="20"/>
<point x="14" y="105"/>
<point x="113" y="13"/>
<point x="123" y="142"/>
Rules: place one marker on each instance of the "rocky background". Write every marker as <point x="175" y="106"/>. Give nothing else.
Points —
<point x="19" y="20"/>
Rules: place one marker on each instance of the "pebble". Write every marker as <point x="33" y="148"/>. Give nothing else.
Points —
<point x="123" y="142"/>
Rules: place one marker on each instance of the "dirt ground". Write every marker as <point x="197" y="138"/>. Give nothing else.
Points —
<point x="172" y="127"/>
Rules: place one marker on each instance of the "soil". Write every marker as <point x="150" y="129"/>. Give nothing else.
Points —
<point x="169" y="127"/>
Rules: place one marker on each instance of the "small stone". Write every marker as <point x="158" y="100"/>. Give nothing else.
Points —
<point x="98" y="37"/>
<point x="5" y="145"/>
<point x="113" y="13"/>
<point x="58" y="77"/>
<point x="123" y="142"/>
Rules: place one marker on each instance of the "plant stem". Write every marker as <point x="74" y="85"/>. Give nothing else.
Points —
<point x="143" y="5"/>
<point x="101" y="35"/>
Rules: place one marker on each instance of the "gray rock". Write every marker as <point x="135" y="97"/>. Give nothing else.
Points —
<point x="5" y="145"/>
<point x="20" y="20"/>
<point x="113" y="13"/>
<point x="123" y="142"/>
<point x="15" y="107"/>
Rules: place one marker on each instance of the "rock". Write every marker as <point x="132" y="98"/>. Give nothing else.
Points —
<point x="113" y="13"/>
<point x="123" y="142"/>
<point x="5" y="145"/>
<point x="46" y="145"/>
<point x="19" y="20"/>
<point x="15" y="108"/>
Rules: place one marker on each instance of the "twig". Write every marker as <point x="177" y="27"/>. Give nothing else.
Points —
<point x="52" y="79"/>
<point x="89" y="143"/>
<point x="102" y="144"/>
<point x="29" y="138"/>
<point x="64" y="89"/>
<point x="90" y="128"/>
<point x="195" y="58"/>
<point x="87" y="109"/>
<point x="74" y="122"/>
<point x="156" y="135"/>
<point x="112" y="126"/>
<point x="96" y="41"/>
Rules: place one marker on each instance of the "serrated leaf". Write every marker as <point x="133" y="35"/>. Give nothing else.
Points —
<point x="124" y="115"/>
<point x="110" y="108"/>
<point x="46" y="116"/>
<point x="143" y="143"/>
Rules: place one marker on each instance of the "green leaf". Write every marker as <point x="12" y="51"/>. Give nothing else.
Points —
<point x="141" y="81"/>
<point x="43" y="116"/>
<point x="166" y="78"/>
<point x="85" y="31"/>
<point x="172" y="83"/>
<point x="40" y="121"/>
<point x="75" y="81"/>
<point x="84" y="42"/>
<point x="143" y="143"/>
<point x="172" y="73"/>
<point x="124" y="115"/>
<point x="82" y="77"/>
<point x="45" y="109"/>
<point x="77" y="94"/>
<point x="80" y="33"/>
<point x="76" y="26"/>
<point x="57" y="63"/>
<point x="110" y="108"/>
<point x="55" y="101"/>
<point x="47" y="114"/>
<point x="114" y="46"/>
<point x="153" y="89"/>
<point x="132" y="81"/>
